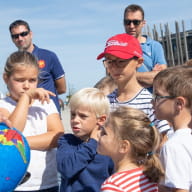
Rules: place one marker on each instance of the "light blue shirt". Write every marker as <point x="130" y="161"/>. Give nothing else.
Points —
<point x="153" y="54"/>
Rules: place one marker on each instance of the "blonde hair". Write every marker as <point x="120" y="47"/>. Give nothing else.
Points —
<point x="19" y="58"/>
<point x="134" y="125"/>
<point x="92" y="98"/>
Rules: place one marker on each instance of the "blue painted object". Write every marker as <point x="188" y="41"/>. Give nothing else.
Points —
<point x="14" y="157"/>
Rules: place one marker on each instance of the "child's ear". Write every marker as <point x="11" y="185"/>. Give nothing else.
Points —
<point x="139" y="62"/>
<point x="180" y="102"/>
<point x="124" y="146"/>
<point x="101" y="120"/>
<point x="5" y="78"/>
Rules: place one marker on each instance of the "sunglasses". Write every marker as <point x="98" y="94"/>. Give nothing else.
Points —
<point x="135" y="22"/>
<point x="23" y="34"/>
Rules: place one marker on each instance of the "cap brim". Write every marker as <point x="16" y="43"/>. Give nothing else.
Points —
<point x="100" y="56"/>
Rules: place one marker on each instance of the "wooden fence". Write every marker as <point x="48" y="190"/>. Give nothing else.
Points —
<point x="177" y="46"/>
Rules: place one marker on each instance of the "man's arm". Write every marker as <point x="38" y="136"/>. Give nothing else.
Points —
<point x="146" y="78"/>
<point x="60" y="85"/>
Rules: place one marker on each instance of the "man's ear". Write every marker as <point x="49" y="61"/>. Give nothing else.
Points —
<point x="31" y="33"/>
<point x="101" y="120"/>
<point x="139" y="62"/>
<point x="144" y="23"/>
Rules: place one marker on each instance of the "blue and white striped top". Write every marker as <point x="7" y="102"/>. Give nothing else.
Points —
<point x="141" y="101"/>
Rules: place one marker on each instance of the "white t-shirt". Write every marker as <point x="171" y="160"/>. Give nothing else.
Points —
<point x="176" y="156"/>
<point x="42" y="164"/>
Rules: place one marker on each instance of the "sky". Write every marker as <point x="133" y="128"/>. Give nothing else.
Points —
<point x="76" y="30"/>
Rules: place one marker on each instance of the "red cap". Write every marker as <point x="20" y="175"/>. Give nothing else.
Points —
<point x="123" y="46"/>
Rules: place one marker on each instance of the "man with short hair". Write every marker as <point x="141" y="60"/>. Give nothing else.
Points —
<point x="153" y="53"/>
<point x="51" y="76"/>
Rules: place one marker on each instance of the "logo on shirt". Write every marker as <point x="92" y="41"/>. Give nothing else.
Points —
<point x="41" y="64"/>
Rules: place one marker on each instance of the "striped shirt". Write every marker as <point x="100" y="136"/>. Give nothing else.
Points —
<point x="129" y="181"/>
<point x="141" y="101"/>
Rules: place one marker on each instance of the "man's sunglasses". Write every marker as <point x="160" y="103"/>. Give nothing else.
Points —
<point x="135" y="22"/>
<point x="23" y="34"/>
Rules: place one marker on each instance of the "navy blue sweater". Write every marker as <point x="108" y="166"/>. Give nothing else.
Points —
<point x="82" y="169"/>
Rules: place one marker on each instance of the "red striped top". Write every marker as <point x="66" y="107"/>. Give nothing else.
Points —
<point x="129" y="181"/>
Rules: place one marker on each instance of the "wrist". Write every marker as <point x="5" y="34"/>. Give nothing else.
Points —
<point x="26" y="98"/>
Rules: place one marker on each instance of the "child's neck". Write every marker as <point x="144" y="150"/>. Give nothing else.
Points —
<point x="125" y="165"/>
<point x="128" y="91"/>
<point x="183" y="120"/>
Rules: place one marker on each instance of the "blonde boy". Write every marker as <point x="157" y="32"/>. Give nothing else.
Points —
<point x="81" y="168"/>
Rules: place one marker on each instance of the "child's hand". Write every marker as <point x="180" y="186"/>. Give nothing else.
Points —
<point x="40" y="94"/>
<point x="5" y="120"/>
<point x="95" y="133"/>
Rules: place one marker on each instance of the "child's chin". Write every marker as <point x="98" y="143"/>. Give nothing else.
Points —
<point x="100" y="151"/>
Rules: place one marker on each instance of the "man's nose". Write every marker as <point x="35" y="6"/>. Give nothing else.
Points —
<point x="131" y="25"/>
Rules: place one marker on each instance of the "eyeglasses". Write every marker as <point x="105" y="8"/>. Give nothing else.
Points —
<point x="116" y="63"/>
<point x="23" y="34"/>
<point x="135" y="22"/>
<point x="156" y="98"/>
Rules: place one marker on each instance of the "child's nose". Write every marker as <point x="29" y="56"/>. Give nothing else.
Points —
<point x="26" y="84"/>
<point x="74" y="117"/>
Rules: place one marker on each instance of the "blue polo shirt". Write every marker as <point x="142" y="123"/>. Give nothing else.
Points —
<point x="50" y="70"/>
<point x="153" y="54"/>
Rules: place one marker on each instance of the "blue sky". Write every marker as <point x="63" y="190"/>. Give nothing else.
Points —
<point x="76" y="30"/>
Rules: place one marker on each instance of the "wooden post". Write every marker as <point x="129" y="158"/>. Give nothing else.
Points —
<point x="155" y="33"/>
<point x="163" y="40"/>
<point x="148" y="32"/>
<point x="171" y="60"/>
<point x="178" y="41"/>
<point x="185" y="42"/>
